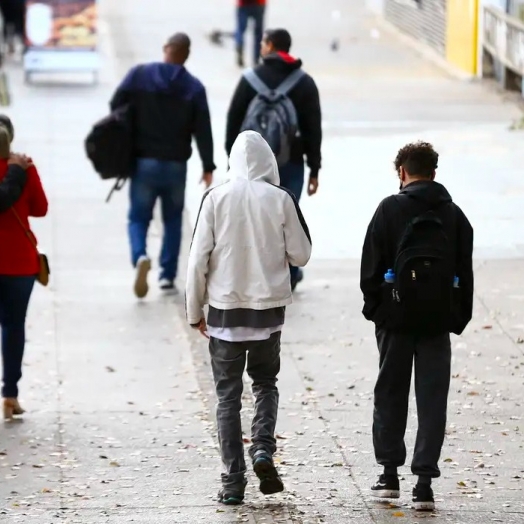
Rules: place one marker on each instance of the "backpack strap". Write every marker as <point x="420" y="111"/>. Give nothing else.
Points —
<point x="118" y="185"/>
<point x="254" y="81"/>
<point x="290" y="82"/>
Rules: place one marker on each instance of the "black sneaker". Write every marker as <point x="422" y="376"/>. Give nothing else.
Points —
<point x="423" y="498"/>
<point x="230" y="498"/>
<point x="270" y="481"/>
<point x="387" y="487"/>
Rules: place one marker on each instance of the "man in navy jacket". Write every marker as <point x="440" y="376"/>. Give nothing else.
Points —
<point x="171" y="108"/>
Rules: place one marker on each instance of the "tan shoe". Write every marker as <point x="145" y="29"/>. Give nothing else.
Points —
<point x="143" y="267"/>
<point x="12" y="407"/>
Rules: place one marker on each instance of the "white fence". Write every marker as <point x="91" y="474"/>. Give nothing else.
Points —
<point x="503" y="38"/>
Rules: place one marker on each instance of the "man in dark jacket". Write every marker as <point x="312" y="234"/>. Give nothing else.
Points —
<point x="419" y="196"/>
<point x="277" y="65"/>
<point x="171" y="108"/>
<point x="12" y="186"/>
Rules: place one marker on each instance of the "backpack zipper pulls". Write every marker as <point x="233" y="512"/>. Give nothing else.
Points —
<point x="413" y="275"/>
<point x="395" y="296"/>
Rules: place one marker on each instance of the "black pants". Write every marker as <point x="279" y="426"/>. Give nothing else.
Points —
<point x="228" y="362"/>
<point x="432" y="357"/>
<point x="13" y="13"/>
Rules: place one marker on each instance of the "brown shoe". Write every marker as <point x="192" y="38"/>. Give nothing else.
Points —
<point x="143" y="267"/>
<point x="12" y="407"/>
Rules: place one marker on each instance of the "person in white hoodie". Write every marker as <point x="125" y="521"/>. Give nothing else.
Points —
<point x="247" y="233"/>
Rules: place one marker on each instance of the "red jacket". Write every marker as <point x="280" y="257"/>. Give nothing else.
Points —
<point x="245" y="3"/>
<point x="17" y="255"/>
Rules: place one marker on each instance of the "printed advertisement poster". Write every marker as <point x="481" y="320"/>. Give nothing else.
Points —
<point x="61" y="34"/>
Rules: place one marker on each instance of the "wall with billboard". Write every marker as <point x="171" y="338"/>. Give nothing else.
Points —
<point x="61" y="35"/>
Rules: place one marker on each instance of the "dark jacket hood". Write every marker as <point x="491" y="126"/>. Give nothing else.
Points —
<point x="431" y="193"/>
<point x="165" y="77"/>
<point x="283" y="62"/>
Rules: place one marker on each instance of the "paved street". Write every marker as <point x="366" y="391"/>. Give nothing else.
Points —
<point x="119" y="393"/>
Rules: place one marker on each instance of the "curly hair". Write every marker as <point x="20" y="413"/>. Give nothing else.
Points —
<point x="418" y="159"/>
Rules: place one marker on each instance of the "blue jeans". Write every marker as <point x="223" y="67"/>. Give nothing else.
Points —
<point x="256" y="12"/>
<point x="155" y="179"/>
<point x="292" y="178"/>
<point x="15" y="293"/>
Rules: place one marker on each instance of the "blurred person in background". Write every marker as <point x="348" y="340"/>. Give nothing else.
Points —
<point x="249" y="10"/>
<point x="13" y="15"/>
<point x="277" y="66"/>
<point x="19" y="265"/>
<point x="170" y="108"/>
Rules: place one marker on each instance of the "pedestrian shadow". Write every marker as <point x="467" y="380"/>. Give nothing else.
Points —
<point x="279" y="511"/>
<point x="400" y="510"/>
<point x="177" y="298"/>
<point x="13" y="423"/>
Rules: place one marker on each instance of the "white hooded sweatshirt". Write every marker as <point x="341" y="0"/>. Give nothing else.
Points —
<point x="247" y="233"/>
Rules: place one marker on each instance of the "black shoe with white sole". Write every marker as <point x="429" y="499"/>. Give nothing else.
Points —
<point x="423" y="498"/>
<point x="387" y="487"/>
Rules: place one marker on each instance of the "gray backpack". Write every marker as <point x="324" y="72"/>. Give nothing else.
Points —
<point x="272" y="114"/>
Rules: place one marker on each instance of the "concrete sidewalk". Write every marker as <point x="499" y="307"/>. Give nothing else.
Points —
<point x="119" y="393"/>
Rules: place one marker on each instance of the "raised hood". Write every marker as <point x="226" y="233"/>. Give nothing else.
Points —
<point x="252" y="159"/>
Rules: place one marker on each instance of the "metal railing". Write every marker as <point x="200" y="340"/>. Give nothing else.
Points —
<point x="503" y="38"/>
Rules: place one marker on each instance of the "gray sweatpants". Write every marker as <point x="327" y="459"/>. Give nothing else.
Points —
<point x="228" y="361"/>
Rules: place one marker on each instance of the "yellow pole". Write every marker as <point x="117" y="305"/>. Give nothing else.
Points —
<point x="462" y="34"/>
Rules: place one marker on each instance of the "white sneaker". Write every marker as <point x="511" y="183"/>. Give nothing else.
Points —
<point x="143" y="266"/>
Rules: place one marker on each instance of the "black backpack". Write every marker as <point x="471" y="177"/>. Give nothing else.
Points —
<point x="110" y="146"/>
<point x="272" y="114"/>
<point x="421" y="298"/>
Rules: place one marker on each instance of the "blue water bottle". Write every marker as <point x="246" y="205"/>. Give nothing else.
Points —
<point x="456" y="282"/>
<point x="389" y="277"/>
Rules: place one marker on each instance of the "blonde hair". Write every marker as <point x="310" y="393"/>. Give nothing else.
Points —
<point x="5" y="142"/>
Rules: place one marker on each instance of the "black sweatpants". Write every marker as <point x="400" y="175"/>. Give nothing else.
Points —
<point x="432" y="358"/>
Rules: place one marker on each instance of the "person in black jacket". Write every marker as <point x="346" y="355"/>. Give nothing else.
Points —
<point x="416" y="166"/>
<point x="171" y="108"/>
<point x="277" y="65"/>
<point x="13" y="184"/>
